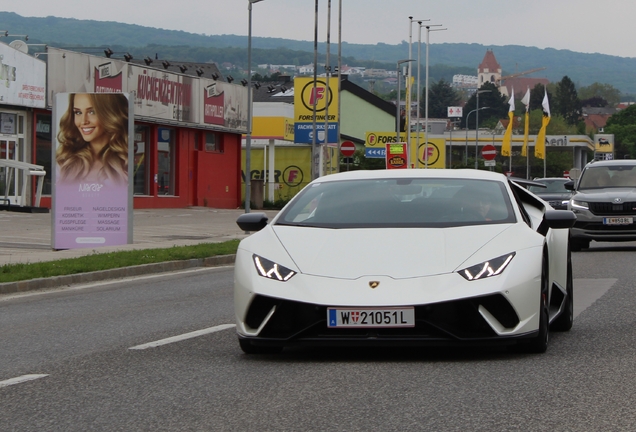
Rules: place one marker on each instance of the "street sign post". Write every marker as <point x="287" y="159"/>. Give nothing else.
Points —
<point x="347" y="148"/>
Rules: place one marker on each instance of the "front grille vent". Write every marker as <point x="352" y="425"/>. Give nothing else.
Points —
<point x="611" y="209"/>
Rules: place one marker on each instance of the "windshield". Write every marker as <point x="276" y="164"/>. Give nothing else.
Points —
<point x="552" y="187"/>
<point x="394" y="203"/>
<point x="608" y="177"/>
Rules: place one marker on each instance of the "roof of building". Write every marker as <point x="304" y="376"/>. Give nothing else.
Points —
<point x="596" y="121"/>
<point x="489" y="62"/>
<point x="522" y="84"/>
<point x="203" y="70"/>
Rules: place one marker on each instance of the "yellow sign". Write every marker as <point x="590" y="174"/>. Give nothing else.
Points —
<point x="292" y="170"/>
<point x="436" y="148"/>
<point x="380" y="139"/>
<point x="324" y="97"/>
<point x="604" y="143"/>
<point x="273" y="128"/>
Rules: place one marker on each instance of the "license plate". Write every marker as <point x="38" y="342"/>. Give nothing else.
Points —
<point x="370" y="318"/>
<point x="618" y="221"/>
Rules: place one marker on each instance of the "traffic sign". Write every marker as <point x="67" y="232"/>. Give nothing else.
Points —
<point x="455" y="111"/>
<point x="489" y="152"/>
<point x="375" y="153"/>
<point x="347" y="148"/>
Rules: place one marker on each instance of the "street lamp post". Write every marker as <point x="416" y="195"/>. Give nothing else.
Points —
<point x="428" y="30"/>
<point x="466" y="151"/>
<point x="419" y="51"/>
<point x="450" y="159"/>
<point x="315" y="172"/>
<point x="248" y="136"/>
<point x="477" y="127"/>
<point x="397" y="118"/>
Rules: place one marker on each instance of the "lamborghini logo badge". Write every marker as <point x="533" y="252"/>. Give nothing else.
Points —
<point x="374" y="284"/>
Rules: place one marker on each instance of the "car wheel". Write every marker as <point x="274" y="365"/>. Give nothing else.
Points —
<point x="579" y="244"/>
<point x="539" y="344"/>
<point x="248" y="348"/>
<point x="565" y="320"/>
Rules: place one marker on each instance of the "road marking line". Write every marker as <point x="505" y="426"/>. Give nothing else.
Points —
<point x="78" y="287"/>
<point x="587" y="291"/>
<point x="183" y="337"/>
<point x="21" y="379"/>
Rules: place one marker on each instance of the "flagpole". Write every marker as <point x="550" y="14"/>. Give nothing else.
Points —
<point x="524" y="147"/>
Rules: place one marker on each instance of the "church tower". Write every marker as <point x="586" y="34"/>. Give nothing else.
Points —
<point x="489" y="70"/>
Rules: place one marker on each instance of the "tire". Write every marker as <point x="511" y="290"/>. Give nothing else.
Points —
<point x="248" y="348"/>
<point x="565" y="320"/>
<point x="539" y="344"/>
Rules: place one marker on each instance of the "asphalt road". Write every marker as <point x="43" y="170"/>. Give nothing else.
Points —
<point x="81" y="339"/>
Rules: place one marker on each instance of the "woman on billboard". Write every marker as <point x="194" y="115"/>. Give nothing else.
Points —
<point x="93" y="139"/>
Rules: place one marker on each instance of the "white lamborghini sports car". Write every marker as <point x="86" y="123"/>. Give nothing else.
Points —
<point x="405" y="257"/>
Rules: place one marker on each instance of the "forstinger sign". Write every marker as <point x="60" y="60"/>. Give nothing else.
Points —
<point x="323" y="96"/>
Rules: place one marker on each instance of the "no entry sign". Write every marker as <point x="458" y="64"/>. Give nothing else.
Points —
<point x="347" y="148"/>
<point x="489" y="152"/>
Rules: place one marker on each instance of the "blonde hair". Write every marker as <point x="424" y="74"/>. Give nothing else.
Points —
<point x="74" y="156"/>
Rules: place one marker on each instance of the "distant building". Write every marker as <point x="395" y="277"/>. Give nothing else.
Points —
<point x="465" y="81"/>
<point x="305" y="70"/>
<point x="489" y="70"/>
<point x="376" y="73"/>
<point x="596" y="118"/>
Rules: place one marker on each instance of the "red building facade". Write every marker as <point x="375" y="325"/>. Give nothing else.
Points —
<point x="187" y="133"/>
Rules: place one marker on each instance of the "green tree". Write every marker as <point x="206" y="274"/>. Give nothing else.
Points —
<point x="594" y="102"/>
<point x="536" y="97"/>
<point x="567" y="102"/>
<point x="605" y="91"/>
<point x="496" y="102"/>
<point x="623" y="126"/>
<point x="440" y="96"/>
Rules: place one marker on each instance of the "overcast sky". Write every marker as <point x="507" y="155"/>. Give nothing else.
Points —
<point x="587" y="26"/>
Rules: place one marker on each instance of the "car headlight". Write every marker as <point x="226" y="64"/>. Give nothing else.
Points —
<point x="270" y="270"/>
<point x="582" y="205"/>
<point x="488" y="268"/>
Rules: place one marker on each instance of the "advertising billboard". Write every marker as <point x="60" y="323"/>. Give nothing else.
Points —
<point x="22" y="78"/>
<point x="91" y="199"/>
<point x="158" y="94"/>
<point x="324" y="97"/>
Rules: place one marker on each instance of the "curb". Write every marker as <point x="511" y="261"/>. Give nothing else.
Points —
<point x="58" y="281"/>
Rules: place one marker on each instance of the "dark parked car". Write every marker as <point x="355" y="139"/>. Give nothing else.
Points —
<point x="554" y="193"/>
<point x="604" y="201"/>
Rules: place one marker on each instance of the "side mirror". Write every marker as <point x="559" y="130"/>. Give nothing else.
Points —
<point x="252" y="221"/>
<point x="569" y="185"/>
<point x="559" y="219"/>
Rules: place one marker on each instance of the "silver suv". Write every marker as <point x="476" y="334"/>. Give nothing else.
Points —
<point x="604" y="201"/>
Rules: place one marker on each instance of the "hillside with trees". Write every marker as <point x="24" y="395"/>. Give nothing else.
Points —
<point x="445" y="59"/>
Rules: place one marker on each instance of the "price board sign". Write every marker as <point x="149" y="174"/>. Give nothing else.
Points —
<point x="396" y="156"/>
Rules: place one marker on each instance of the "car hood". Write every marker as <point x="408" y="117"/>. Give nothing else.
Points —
<point x="608" y="194"/>
<point x="554" y="196"/>
<point x="393" y="252"/>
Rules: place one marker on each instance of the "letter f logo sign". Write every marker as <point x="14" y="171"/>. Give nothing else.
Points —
<point x="317" y="94"/>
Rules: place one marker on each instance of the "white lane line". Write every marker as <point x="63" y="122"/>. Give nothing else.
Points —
<point x="98" y="284"/>
<point x="21" y="379"/>
<point x="183" y="337"/>
<point x="587" y="291"/>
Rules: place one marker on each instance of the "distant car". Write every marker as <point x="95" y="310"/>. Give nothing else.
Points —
<point x="554" y="193"/>
<point x="604" y="202"/>
<point x="405" y="257"/>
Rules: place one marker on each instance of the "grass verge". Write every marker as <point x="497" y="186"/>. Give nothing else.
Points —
<point x="112" y="260"/>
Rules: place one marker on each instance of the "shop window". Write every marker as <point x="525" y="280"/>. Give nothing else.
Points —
<point x="213" y="143"/>
<point x="43" y="149"/>
<point x="166" y="162"/>
<point x="141" y="171"/>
